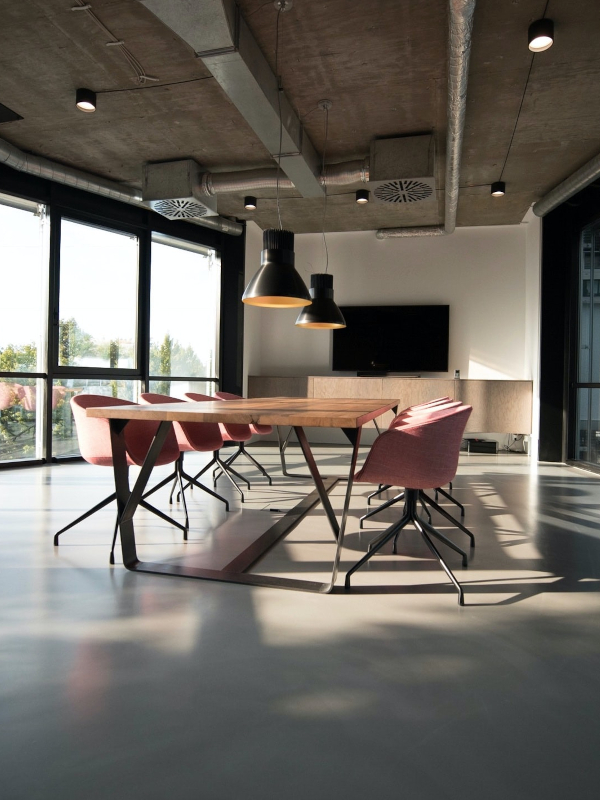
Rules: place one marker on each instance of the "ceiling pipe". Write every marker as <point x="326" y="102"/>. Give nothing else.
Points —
<point x="12" y="156"/>
<point x="459" y="50"/>
<point x="573" y="184"/>
<point x="343" y="174"/>
<point x="404" y="233"/>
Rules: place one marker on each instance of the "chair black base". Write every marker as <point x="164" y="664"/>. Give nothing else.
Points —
<point x="227" y="471"/>
<point x="241" y="451"/>
<point x="142" y="503"/>
<point x="412" y="497"/>
<point x="183" y="475"/>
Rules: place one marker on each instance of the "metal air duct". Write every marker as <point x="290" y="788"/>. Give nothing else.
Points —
<point x="573" y="184"/>
<point x="404" y="233"/>
<point x="461" y="28"/>
<point x="459" y="49"/>
<point x="12" y="156"/>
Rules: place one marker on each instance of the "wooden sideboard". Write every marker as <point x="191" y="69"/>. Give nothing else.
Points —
<point x="498" y="406"/>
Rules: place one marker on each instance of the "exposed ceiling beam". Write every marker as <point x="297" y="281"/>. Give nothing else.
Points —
<point x="219" y="35"/>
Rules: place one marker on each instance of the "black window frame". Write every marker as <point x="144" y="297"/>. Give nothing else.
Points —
<point x="64" y="202"/>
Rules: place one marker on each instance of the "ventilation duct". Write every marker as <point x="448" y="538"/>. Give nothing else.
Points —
<point x="459" y="50"/>
<point x="573" y="184"/>
<point x="172" y="189"/>
<point x="12" y="156"/>
<point x="401" y="170"/>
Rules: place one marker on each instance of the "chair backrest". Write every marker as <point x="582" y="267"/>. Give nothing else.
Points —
<point x="423" y="412"/>
<point x="261" y="430"/>
<point x="230" y="432"/>
<point x="93" y="434"/>
<point x="422" y="454"/>
<point x="199" y="436"/>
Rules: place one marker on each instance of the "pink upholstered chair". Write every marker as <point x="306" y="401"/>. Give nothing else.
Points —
<point x="421" y="454"/>
<point x="198" y="437"/>
<point x="93" y="435"/>
<point x="229" y="433"/>
<point x="420" y="411"/>
<point x="259" y="430"/>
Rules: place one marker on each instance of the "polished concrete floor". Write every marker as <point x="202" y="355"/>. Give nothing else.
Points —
<point x="134" y="686"/>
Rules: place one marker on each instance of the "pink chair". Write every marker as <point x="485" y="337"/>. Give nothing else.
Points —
<point x="421" y="454"/>
<point x="230" y="433"/>
<point x="420" y="411"/>
<point x="255" y="429"/>
<point x="94" y="439"/>
<point x="198" y="437"/>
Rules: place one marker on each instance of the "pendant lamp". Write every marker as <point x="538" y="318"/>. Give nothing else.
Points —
<point x="277" y="284"/>
<point x="323" y="312"/>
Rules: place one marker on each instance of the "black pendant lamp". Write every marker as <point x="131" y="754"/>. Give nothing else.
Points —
<point x="277" y="284"/>
<point x="323" y="312"/>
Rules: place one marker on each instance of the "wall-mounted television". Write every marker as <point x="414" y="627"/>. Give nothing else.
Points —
<point x="380" y="339"/>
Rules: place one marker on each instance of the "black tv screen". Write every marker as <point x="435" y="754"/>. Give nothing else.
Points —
<point x="410" y="339"/>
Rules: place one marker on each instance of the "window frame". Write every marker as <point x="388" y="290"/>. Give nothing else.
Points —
<point x="63" y="202"/>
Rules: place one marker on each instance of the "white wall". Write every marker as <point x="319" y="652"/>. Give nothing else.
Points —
<point x="489" y="276"/>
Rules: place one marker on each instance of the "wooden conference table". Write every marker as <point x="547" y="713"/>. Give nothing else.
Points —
<point x="348" y="414"/>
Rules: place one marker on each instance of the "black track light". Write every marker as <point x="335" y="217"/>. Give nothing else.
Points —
<point x="323" y="312"/>
<point x="85" y="100"/>
<point x="362" y="196"/>
<point x="250" y="203"/>
<point x="498" y="189"/>
<point x="541" y="35"/>
<point x="277" y="284"/>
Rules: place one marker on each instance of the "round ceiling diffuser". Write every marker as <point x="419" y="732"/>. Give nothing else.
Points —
<point x="179" y="209"/>
<point x="403" y="191"/>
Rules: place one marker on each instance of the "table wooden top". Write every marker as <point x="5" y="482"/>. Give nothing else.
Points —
<point x="302" y="412"/>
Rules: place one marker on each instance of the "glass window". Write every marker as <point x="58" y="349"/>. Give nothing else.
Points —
<point x="589" y="306"/>
<point x="24" y="233"/>
<point x="21" y="418"/>
<point x="98" y="297"/>
<point x="179" y="388"/>
<point x="184" y="309"/>
<point x="64" y="435"/>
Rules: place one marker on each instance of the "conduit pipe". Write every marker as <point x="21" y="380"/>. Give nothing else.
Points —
<point x="402" y="233"/>
<point x="459" y="50"/>
<point x="573" y="184"/>
<point x="12" y="156"/>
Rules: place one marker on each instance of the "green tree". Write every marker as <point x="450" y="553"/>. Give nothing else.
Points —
<point x="73" y="343"/>
<point x="18" y="359"/>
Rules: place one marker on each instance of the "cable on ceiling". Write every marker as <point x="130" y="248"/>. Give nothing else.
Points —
<point x="137" y="67"/>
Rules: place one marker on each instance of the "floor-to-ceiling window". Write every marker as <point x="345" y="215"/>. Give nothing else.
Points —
<point x="184" y="317"/>
<point x="90" y="305"/>
<point x="24" y="237"/>
<point x="587" y="388"/>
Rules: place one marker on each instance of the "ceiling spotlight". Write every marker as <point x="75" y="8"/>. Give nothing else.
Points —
<point x="85" y="100"/>
<point x="250" y="203"/>
<point x="541" y="35"/>
<point x="498" y="189"/>
<point x="362" y="196"/>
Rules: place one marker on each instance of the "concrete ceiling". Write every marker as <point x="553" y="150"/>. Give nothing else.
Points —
<point x="530" y="121"/>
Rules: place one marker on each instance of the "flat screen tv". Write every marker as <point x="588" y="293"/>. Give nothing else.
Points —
<point x="409" y="339"/>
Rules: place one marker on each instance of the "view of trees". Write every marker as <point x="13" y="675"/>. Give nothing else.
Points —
<point x="18" y="401"/>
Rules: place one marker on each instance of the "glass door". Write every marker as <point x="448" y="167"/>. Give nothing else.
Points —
<point x="586" y="438"/>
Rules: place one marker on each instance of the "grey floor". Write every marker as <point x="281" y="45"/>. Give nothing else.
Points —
<point x="127" y="686"/>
